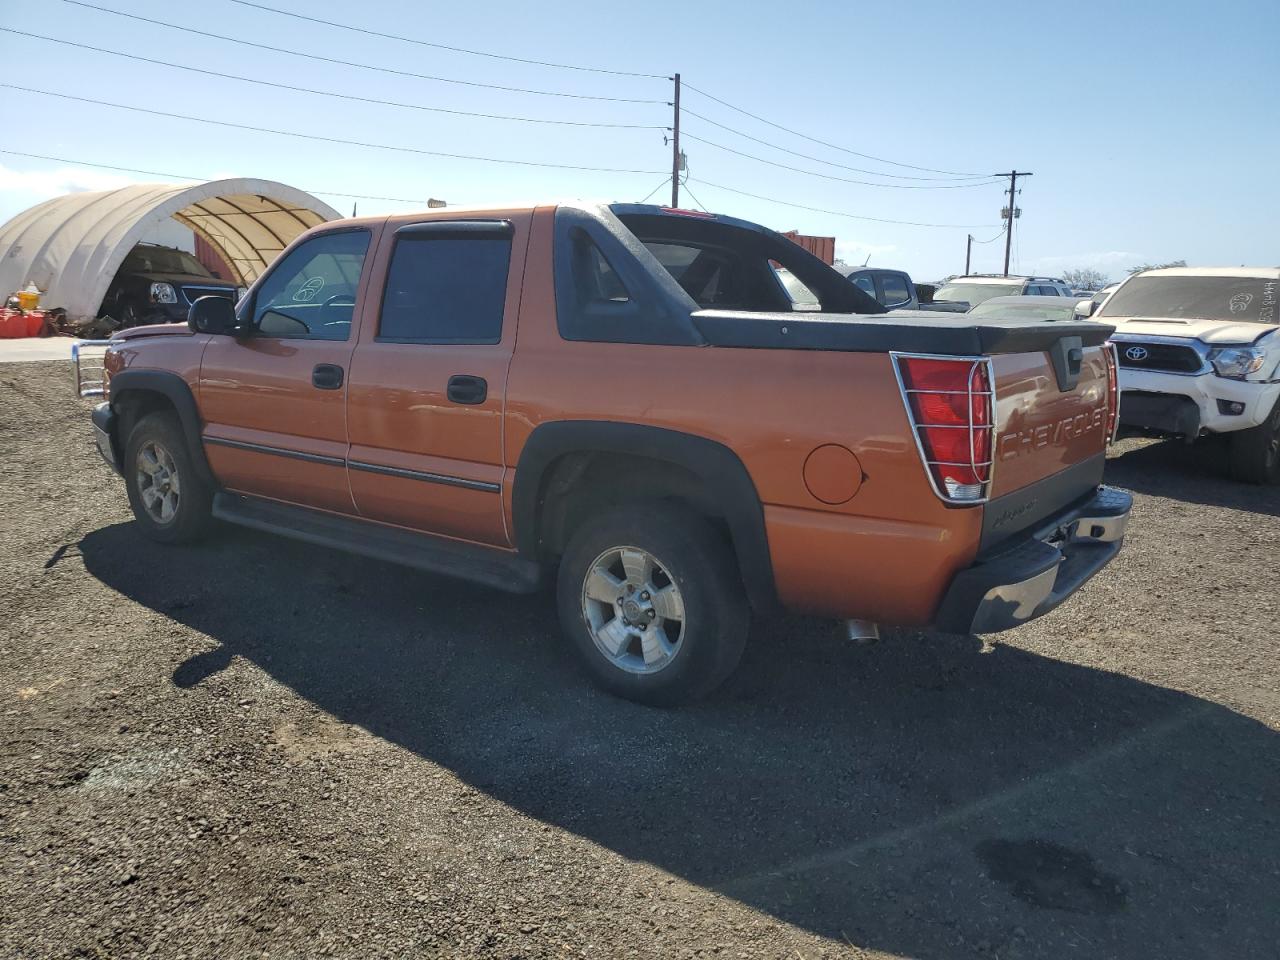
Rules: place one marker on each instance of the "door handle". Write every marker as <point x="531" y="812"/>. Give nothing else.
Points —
<point x="467" y="389"/>
<point x="326" y="376"/>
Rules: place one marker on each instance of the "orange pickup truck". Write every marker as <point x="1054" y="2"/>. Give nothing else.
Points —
<point x="620" y="398"/>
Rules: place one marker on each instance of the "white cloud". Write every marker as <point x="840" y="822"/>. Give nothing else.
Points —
<point x="855" y="252"/>
<point x="54" y="183"/>
<point x="1115" y="263"/>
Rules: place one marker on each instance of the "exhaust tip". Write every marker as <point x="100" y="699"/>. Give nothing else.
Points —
<point x="861" y="631"/>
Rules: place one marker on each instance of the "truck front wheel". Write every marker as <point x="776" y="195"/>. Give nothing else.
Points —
<point x="651" y="600"/>
<point x="1255" y="453"/>
<point x="170" y="501"/>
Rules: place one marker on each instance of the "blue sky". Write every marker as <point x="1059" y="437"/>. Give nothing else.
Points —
<point x="1152" y="129"/>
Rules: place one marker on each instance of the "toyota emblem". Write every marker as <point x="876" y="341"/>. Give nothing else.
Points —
<point x="1137" y="354"/>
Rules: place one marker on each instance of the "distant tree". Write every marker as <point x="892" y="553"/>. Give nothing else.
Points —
<point x="1085" y="278"/>
<point x="1158" y="266"/>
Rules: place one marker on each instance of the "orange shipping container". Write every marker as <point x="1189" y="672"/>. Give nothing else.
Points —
<point x="824" y="248"/>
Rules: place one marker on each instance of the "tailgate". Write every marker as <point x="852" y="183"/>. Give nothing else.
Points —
<point x="1051" y="435"/>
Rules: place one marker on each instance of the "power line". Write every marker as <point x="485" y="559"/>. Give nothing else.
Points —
<point x="445" y="46"/>
<point x="831" y="163"/>
<point x="833" y="146"/>
<point x="992" y="240"/>
<point x="829" y="176"/>
<point x="654" y="190"/>
<point x="695" y="199"/>
<point x="178" y="176"/>
<point x="839" y="213"/>
<point x="361" y="66"/>
<point x="329" y="93"/>
<point x="323" y="139"/>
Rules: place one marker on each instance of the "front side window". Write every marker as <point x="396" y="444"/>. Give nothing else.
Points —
<point x="895" y="289"/>
<point x="446" y="288"/>
<point x="311" y="294"/>
<point x="865" y="283"/>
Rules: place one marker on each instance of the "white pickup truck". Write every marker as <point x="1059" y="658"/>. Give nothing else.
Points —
<point x="1199" y="354"/>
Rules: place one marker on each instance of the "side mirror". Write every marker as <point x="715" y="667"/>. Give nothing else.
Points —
<point x="1086" y="308"/>
<point x="212" y="314"/>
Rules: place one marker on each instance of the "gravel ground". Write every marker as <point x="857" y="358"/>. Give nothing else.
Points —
<point x="257" y="748"/>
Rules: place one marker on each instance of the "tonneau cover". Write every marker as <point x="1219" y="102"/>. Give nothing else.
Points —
<point x="912" y="332"/>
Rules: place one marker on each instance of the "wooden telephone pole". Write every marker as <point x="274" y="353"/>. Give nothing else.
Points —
<point x="1013" y="176"/>
<point x="675" y="147"/>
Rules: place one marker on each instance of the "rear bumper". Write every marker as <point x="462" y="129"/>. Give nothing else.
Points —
<point x="1037" y="573"/>
<point x="104" y="431"/>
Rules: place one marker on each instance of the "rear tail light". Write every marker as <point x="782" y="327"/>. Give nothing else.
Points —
<point x="951" y="404"/>
<point x="1113" y="391"/>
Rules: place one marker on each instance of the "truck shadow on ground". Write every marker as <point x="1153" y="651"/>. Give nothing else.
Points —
<point x="915" y="797"/>
<point x="1190" y="473"/>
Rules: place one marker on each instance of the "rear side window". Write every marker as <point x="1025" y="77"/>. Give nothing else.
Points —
<point x="445" y="287"/>
<point x="866" y="284"/>
<point x="595" y="280"/>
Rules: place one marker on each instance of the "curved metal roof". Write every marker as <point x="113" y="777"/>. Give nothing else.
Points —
<point x="72" y="246"/>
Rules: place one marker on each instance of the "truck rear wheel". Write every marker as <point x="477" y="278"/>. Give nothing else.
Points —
<point x="650" y="598"/>
<point x="170" y="500"/>
<point x="1255" y="453"/>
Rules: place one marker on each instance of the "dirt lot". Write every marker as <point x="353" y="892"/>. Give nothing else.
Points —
<point x="258" y="748"/>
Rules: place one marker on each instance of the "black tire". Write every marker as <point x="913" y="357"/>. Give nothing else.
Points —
<point x="1255" y="453"/>
<point x="694" y="558"/>
<point x="193" y="509"/>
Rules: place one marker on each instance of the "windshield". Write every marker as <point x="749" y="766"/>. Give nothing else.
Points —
<point x="975" y="293"/>
<point x="165" y="260"/>
<point x="1026" y="311"/>
<point x="1237" y="299"/>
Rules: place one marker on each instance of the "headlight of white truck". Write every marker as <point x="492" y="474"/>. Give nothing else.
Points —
<point x="163" y="293"/>
<point x="1237" y="363"/>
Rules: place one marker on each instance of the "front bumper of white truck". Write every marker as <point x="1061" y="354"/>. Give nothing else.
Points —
<point x="1186" y="402"/>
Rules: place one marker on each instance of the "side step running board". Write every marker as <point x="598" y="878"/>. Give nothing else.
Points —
<point x="489" y="566"/>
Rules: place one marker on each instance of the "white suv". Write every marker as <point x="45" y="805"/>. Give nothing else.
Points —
<point x="1199" y="352"/>
<point x="979" y="287"/>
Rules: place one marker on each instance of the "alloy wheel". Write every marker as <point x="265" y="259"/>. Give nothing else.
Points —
<point x="634" y="610"/>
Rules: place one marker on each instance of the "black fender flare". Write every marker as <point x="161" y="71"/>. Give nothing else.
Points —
<point x="712" y="462"/>
<point x="178" y="392"/>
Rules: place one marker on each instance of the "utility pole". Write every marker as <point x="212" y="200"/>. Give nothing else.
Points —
<point x="968" y="250"/>
<point x="1013" y="176"/>
<point x="675" y="147"/>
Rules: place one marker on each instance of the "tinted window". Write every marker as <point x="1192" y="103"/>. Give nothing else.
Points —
<point x="895" y="289"/>
<point x="311" y="294"/>
<point x="595" y="280"/>
<point x="144" y="259"/>
<point x="446" y="289"/>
